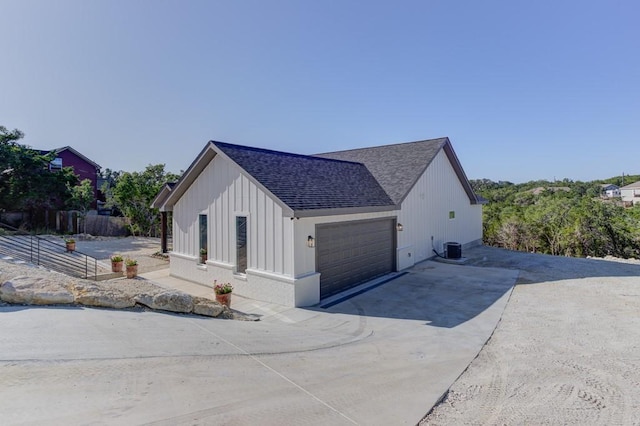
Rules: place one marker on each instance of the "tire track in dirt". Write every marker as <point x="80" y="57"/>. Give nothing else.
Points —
<point x="565" y="352"/>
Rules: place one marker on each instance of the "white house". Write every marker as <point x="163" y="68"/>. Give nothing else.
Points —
<point x="293" y="229"/>
<point x="610" y="190"/>
<point x="631" y="193"/>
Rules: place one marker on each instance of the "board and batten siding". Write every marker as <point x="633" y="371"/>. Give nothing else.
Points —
<point x="425" y="213"/>
<point x="223" y="192"/>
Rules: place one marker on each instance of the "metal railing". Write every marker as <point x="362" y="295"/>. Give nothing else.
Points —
<point x="44" y="252"/>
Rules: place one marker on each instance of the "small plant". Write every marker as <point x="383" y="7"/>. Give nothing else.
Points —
<point x="69" y="240"/>
<point x="117" y="258"/>
<point x="130" y="262"/>
<point x="222" y="288"/>
<point x="203" y="251"/>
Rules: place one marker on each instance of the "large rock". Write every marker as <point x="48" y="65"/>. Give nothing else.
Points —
<point x="173" y="301"/>
<point x="104" y="296"/>
<point x="207" y="307"/>
<point x="35" y="291"/>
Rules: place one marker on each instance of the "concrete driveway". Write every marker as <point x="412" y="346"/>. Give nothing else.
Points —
<point x="382" y="357"/>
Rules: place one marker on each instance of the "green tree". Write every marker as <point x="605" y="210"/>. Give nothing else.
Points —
<point x="26" y="183"/>
<point x="81" y="198"/>
<point x="133" y="194"/>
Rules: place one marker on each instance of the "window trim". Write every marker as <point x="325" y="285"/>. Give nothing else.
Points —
<point x="241" y="268"/>
<point x="203" y="238"/>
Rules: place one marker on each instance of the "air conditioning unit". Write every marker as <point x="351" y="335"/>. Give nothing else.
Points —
<point x="452" y="250"/>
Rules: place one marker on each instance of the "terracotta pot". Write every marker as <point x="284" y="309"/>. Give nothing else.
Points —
<point x="132" y="271"/>
<point x="203" y="258"/>
<point x="71" y="247"/>
<point x="224" y="299"/>
<point x="117" y="266"/>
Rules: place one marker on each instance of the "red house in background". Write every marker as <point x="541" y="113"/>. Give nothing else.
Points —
<point x="83" y="167"/>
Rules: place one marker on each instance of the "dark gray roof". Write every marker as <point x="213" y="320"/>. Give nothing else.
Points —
<point x="396" y="167"/>
<point x="305" y="182"/>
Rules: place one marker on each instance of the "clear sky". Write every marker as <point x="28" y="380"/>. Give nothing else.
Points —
<point x="525" y="90"/>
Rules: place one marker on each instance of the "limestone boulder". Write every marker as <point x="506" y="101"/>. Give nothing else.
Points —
<point x="35" y="291"/>
<point x="104" y="296"/>
<point x="172" y="301"/>
<point x="207" y="307"/>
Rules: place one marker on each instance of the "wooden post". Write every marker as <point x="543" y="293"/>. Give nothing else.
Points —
<point x="163" y="231"/>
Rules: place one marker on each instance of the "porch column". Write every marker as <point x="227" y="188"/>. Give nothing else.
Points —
<point x="163" y="231"/>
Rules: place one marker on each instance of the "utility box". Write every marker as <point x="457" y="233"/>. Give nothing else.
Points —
<point x="452" y="250"/>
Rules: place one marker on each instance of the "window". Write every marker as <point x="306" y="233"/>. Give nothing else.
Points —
<point x="56" y="164"/>
<point x="452" y="214"/>
<point x="241" y="244"/>
<point x="203" y="234"/>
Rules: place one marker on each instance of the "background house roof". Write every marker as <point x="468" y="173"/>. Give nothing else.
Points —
<point x="634" y="185"/>
<point x="68" y="148"/>
<point x="305" y="182"/>
<point x="398" y="167"/>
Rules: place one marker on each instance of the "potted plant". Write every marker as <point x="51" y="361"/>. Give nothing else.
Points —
<point x="116" y="263"/>
<point x="132" y="267"/>
<point x="70" y="243"/>
<point x="203" y="255"/>
<point x="223" y="293"/>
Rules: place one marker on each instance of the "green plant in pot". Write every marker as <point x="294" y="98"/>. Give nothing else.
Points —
<point x="203" y="255"/>
<point x="132" y="267"/>
<point x="70" y="244"/>
<point x="116" y="263"/>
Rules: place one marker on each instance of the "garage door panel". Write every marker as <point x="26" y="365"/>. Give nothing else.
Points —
<point x="354" y="252"/>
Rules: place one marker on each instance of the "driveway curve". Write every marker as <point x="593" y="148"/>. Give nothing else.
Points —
<point x="382" y="357"/>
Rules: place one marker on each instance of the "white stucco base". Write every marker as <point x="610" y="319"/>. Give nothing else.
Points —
<point x="255" y="284"/>
<point x="405" y="258"/>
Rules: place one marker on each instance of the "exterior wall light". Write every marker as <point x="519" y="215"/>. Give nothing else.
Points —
<point x="311" y="242"/>
<point x="399" y="227"/>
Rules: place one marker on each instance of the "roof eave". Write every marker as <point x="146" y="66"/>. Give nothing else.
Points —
<point x="159" y="201"/>
<point x="286" y="210"/>
<point x="462" y="177"/>
<point x="343" y="211"/>
<point x="186" y="180"/>
<point x="68" y="148"/>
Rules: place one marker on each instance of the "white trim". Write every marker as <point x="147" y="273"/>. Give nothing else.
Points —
<point x="219" y="264"/>
<point x="183" y="256"/>
<point x="271" y="275"/>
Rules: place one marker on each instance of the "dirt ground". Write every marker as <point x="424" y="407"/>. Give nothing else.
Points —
<point x="566" y="351"/>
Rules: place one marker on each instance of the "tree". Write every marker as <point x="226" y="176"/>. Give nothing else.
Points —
<point x="133" y="194"/>
<point x="26" y="183"/>
<point x="81" y="199"/>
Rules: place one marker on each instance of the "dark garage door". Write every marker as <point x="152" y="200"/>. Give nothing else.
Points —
<point x="350" y="253"/>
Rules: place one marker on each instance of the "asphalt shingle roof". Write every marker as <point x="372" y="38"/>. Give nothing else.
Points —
<point x="396" y="167"/>
<point x="305" y="182"/>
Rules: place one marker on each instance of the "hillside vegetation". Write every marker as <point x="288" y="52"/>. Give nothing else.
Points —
<point x="564" y="218"/>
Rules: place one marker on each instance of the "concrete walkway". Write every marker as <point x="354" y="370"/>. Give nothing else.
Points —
<point x="382" y="357"/>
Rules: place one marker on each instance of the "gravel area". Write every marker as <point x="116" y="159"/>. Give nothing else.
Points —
<point x="566" y="352"/>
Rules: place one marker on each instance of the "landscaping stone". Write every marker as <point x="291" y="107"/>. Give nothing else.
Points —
<point x="104" y="296"/>
<point x="44" y="287"/>
<point x="35" y="291"/>
<point x="207" y="307"/>
<point x="173" y="301"/>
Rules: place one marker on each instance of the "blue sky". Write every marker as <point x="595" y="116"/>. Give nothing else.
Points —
<point x="524" y="90"/>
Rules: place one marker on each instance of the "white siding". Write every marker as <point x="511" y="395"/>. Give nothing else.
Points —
<point x="223" y="192"/>
<point x="425" y="213"/>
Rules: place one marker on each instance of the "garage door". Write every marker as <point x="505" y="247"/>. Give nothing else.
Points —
<point x="350" y="253"/>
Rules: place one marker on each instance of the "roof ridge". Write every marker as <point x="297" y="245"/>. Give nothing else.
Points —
<point x="443" y="138"/>
<point x="282" y="153"/>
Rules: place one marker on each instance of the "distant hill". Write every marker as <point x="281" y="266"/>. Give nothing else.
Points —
<point x="569" y="218"/>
